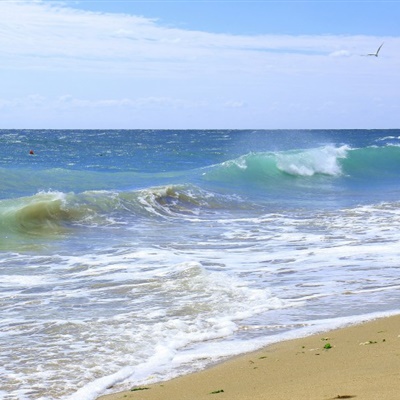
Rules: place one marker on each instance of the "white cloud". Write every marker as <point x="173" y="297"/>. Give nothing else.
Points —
<point x="235" y="104"/>
<point x="30" y="101"/>
<point x="120" y="63"/>
<point x="341" y="53"/>
<point x="69" y="102"/>
<point x="37" y="35"/>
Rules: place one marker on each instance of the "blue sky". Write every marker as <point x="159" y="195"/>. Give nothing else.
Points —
<point x="199" y="64"/>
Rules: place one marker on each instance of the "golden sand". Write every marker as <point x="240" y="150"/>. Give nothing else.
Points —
<point x="360" y="362"/>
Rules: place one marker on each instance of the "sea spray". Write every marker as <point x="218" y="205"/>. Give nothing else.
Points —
<point x="314" y="161"/>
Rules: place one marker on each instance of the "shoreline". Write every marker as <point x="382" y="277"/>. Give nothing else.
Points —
<point x="360" y="361"/>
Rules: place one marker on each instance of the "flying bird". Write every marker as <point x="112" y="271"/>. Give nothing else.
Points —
<point x="377" y="52"/>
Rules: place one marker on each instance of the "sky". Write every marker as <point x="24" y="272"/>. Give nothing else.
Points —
<point x="199" y="64"/>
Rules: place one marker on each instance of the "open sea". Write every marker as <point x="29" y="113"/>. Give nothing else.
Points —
<point x="134" y="256"/>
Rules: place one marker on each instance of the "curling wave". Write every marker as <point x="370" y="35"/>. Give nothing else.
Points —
<point x="44" y="212"/>
<point x="54" y="212"/>
<point x="276" y="168"/>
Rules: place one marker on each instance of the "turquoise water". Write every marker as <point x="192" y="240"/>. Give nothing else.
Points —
<point x="155" y="253"/>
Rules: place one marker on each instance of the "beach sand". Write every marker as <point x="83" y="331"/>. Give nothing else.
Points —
<point x="359" y="362"/>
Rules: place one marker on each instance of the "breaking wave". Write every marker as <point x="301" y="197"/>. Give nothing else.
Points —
<point x="328" y="161"/>
<point x="301" y="170"/>
<point x="56" y="212"/>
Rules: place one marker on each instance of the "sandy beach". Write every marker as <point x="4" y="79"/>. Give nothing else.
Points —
<point x="360" y="362"/>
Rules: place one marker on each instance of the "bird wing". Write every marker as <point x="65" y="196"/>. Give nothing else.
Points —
<point x="379" y="49"/>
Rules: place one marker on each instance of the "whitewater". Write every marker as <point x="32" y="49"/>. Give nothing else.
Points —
<point x="134" y="256"/>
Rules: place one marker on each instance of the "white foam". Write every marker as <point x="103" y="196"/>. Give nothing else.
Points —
<point x="147" y="313"/>
<point x="23" y="280"/>
<point x="314" y="161"/>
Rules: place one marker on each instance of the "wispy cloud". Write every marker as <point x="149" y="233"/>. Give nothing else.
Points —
<point x="341" y="53"/>
<point x="69" y="102"/>
<point x="40" y="35"/>
<point x="119" y="63"/>
<point x="140" y="103"/>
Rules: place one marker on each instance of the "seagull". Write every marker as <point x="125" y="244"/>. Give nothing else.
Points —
<point x="377" y="52"/>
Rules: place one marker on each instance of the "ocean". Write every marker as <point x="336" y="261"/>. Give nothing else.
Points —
<point x="134" y="256"/>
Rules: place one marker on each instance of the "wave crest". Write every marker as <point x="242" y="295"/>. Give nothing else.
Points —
<point x="38" y="214"/>
<point x="54" y="212"/>
<point x="323" y="160"/>
<point x="276" y="168"/>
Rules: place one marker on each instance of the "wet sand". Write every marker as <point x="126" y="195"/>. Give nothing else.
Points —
<point x="359" y="362"/>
